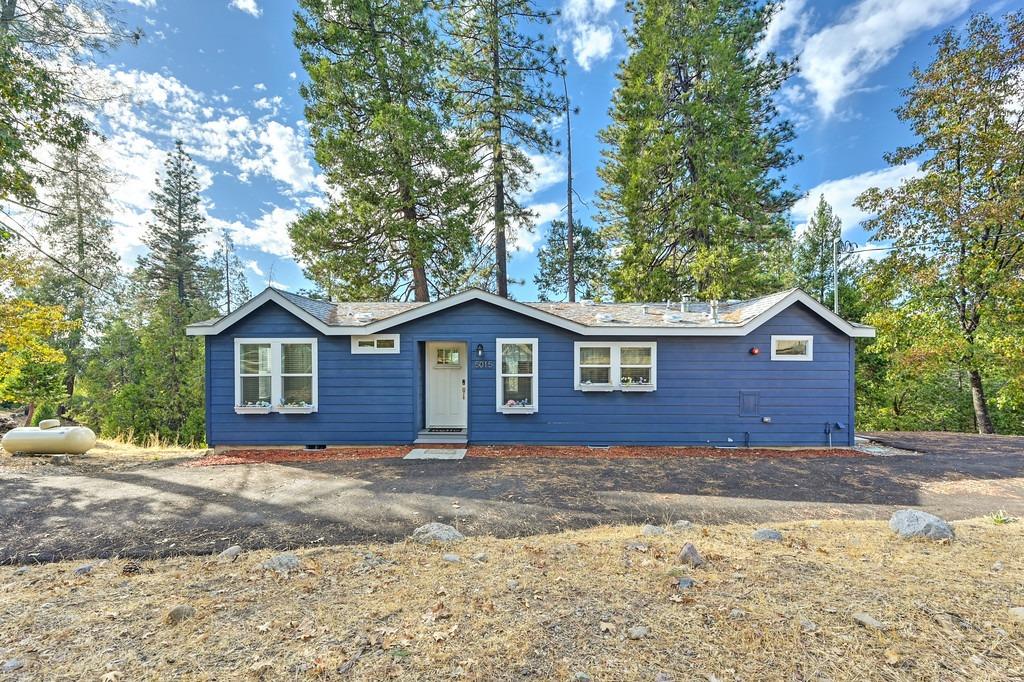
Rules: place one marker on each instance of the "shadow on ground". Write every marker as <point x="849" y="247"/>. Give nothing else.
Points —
<point x="51" y="513"/>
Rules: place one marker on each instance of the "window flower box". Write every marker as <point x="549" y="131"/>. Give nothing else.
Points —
<point x="518" y="407"/>
<point x="295" y="408"/>
<point x="253" y="408"/>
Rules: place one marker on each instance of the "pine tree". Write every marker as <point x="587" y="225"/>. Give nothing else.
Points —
<point x="501" y="74"/>
<point x="79" y="234"/>
<point x="381" y="132"/>
<point x="231" y="284"/>
<point x="591" y="264"/>
<point x="693" y="195"/>
<point x="174" y="262"/>
<point x="813" y="258"/>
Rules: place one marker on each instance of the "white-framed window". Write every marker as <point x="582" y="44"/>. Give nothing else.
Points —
<point x="275" y="375"/>
<point x="376" y="343"/>
<point x="517" y="379"/>
<point x="615" y="366"/>
<point x="793" y="348"/>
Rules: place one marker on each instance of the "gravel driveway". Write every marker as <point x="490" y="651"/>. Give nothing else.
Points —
<point x="150" y="510"/>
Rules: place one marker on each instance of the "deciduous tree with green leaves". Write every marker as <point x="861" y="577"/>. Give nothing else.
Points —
<point x="501" y="72"/>
<point x="383" y="134"/>
<point x="958" y="226"/>
<point x="693" y="193"/>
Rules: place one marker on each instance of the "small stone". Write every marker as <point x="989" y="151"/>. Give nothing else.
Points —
<point x="682" y="524"/>
<point x="512" y="585"/>
<point x="60" y="460"/>
<point x="452" y="558"/>
<point x="21" y="571"/>
<point x="637" y="632"/>
<point x="997" y="566"/>
<point x="637" y="546"/>
<point x="914" y="523"/>
<point x="685" y="583"/>
<point x="808" y="625"/>
<point x="737" y="614"/>
<point x="437" y="532"/>
<point x="868" y="621"/>
<point x="690" y="556"/>
<point x="282" y="563"/>
<point x="652" y="530"/>
<point x="662" y="677"/>
<point x="83" y="570"/>
<point x="179" y="614"/>
<point x="582" y="677"/>
<point x="481" y="557"/>
<point x="12" y="665"/>
<point x="229" y="554"/>
<point x="767" y="535"/>
<point x="1017" y="613"/>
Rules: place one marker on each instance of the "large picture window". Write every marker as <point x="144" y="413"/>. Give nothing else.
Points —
<point x="275" y="375"/>
<point x="517" y="382"/>
<point x="615" y="366"/>
<point x="376" y="343"/>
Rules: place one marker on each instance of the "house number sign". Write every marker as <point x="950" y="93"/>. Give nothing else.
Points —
<point x="483" y="364"/>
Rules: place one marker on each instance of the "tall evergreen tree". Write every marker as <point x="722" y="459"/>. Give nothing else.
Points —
<point x="591" y="264"/>
<point x="501" y="74"/>
<point x="959" y="225"/>
<point x="78" y="233"/>
<point x="813" y="258"/>
<point x="232" y="286"/>
<point x="381" y="131"/>
<point x="693" y="194"/>
<point x="174" y="262"/>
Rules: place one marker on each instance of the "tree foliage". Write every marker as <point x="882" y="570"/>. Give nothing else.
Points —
<point x="693" y="193"/>
<point x="591" y="263"/>
<point x="814" y="263"/>
<point x="959" y="225"/>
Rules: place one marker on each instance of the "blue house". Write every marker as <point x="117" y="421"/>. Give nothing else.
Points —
<point x="287" y="370"/>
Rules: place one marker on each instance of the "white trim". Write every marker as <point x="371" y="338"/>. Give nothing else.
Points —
<point x="615" y="372"/>
<point x="499" y="375"/>
<point x="794" y="296"/>
<point x="794" y="337"/>
<point x="358" y="350"/>
<point x="275" y="376"/>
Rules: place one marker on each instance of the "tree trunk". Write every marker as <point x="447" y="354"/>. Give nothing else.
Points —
<point x="501" y="269"/>
<point x="570" y="229"/>
<point x="30" y="411"/>
<point x="981" y="415"/>
<point x="7" y="8"/>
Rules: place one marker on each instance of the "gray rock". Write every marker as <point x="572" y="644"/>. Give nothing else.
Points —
<point x="21" y="571"/>
<point x="637" y="546"/>
<point x="512" y="585"/>
<point x="229" y="554"/>
<point x="60" y="460"/>
<point x="997" y="566"/>
<point x="83" y="570"/>
<point x="767" y="535"/>
<point x="868" y="621"/>
<point x="808" y="625"/>
<point x="452" y="558"/>
<point x="662" y="677"/>
<point x="682" y="524"/>
<point x="437" y="532"/>
<point x="914" y="523"/>
<point x="481" y="557"/>
<point x="12" y="665"/>
<point x="637" y="632"/>
<point x="282" y="563"/>
<point x="652" y="530"/>
<point x="179" y="614"/>
<point x="685" y="583"/>
<point x="1017" y="613"/>
<point x="737" y="614"/>
<point x="582" y="677"/>
<point x="690" y="556"/>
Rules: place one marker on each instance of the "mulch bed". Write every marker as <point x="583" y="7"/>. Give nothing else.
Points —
<point x="271" y="456"/>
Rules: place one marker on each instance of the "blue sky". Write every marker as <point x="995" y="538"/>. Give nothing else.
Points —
<point x="224" y="76"/>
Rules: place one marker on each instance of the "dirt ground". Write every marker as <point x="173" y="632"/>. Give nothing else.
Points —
<point x="600" y="604"/>
<point x="146" y="504"/>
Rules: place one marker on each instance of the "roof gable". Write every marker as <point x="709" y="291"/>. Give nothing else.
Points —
<point x="345" y="319"/>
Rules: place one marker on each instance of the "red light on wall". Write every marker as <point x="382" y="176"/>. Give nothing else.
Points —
<point x="755" y="350"/>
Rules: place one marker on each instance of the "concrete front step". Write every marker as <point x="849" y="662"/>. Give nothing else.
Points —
<point x="436" y="437"/>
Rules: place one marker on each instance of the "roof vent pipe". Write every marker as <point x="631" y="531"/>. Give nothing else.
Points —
<point x="684" y="304"/>
<point x="714" y="311"/>
<point x="643" y="310"/>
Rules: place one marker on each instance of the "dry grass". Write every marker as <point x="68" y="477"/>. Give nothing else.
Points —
<point x="402" y="612"/>
<point x="113" y="451"/>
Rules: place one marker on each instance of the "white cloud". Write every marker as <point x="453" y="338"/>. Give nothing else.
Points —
<point x="842" y="193"/>
<point x="524" y="241"/>
<point x="269" y="233"/>
<point x="278" y="285"/>
<point x="293" y="75"/>
<point x="259" y="87"/>
<point x="588" y="30"/>
<point x="247" y="6"/>
<point x="791" y="16"/>
<point x="547" y="171"/>
<point x="284" y="156"/>
<point x="254" y="267"/>
<point x="148" y="4"/>
<point x="838" y="58"/>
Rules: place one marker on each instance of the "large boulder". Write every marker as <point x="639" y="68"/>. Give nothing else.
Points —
<point x="437" y="532"/>
<point x="914" y="523"/>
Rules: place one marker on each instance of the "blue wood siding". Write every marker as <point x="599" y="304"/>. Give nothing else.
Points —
<point x="379" y="398"/>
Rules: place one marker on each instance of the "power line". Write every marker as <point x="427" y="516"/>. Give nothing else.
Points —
<point x="56" y="260"/>
<point x="911" y="246"/>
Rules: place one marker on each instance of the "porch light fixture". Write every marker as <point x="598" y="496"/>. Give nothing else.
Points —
<point x="479" y="351"/>
<point x="755" y="350"/>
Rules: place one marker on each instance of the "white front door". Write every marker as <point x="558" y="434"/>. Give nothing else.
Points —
<point x="446" y="365"/>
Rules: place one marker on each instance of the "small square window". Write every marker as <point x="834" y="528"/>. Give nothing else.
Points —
<point x="799" y="348"/>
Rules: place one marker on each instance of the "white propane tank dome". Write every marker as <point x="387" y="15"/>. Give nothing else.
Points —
<point x="49" y="424"/>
